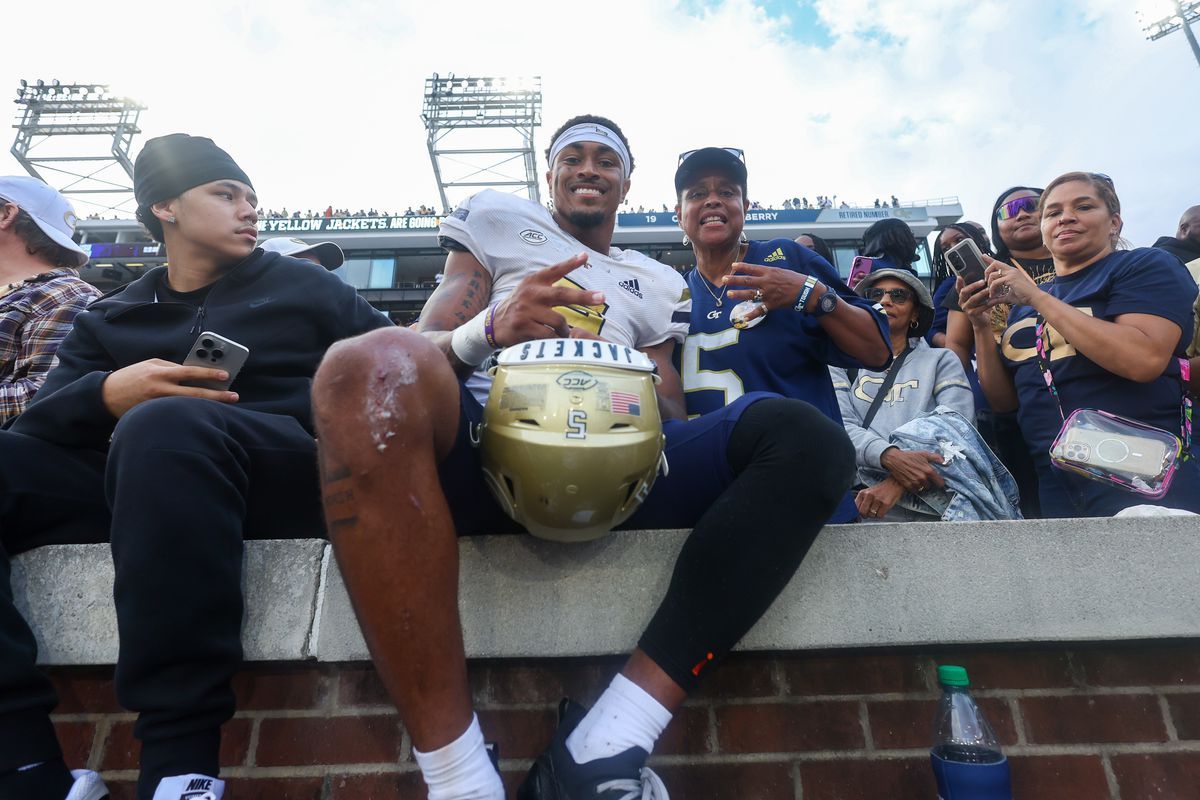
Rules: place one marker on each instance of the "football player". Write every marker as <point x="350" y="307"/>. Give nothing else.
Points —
<point x="755" y="480"/>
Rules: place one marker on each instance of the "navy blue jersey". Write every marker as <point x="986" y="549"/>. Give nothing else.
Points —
<point x="787" y="353"/>
<point x="1141" y="281"/>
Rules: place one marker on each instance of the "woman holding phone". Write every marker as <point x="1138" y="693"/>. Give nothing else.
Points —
<point x="766" y="316"/>
<point x="1113" y="323"/>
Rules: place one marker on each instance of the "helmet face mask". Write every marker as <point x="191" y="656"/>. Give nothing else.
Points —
<point x="571" y="440"/>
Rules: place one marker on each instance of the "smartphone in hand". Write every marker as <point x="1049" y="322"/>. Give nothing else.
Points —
<point x="966" y="261"/>
<point x="216" y="352"/>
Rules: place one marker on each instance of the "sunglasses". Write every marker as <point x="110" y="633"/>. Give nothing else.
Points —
<point x="897" y="295"/>
<point x="1014" y="207"/>
<point x="736" y="152"/>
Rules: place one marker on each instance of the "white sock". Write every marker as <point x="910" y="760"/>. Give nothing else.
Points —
<point x="625" y="716"/>
<point x="177" y="786"/>
<point x="461" y="770"/>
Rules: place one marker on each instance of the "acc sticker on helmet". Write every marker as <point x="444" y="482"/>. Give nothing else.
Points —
<point x="576" y="379"/>
<point x="571" y="439"/>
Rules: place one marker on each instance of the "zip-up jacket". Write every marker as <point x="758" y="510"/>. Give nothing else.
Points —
<point x="287" y="311"/>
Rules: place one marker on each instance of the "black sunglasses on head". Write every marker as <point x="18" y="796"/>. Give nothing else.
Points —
<point x="736" y="152"/>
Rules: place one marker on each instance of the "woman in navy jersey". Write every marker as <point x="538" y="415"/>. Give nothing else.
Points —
<point x="1115" y="321"/>
<point x="766" y="316"/>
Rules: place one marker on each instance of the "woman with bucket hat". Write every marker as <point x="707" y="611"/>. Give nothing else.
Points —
<point x="921" y="378"/>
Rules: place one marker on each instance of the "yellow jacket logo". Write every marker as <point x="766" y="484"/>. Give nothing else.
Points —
<point x="776" y="256"/>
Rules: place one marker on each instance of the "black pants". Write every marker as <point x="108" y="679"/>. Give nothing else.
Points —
<point x="184" y="483"/>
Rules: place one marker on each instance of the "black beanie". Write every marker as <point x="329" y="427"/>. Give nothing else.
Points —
<point x="170" y="165"/>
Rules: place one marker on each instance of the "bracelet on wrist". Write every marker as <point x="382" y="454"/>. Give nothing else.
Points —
<point x="489" y="330"/>
<point x="802" y="301"/>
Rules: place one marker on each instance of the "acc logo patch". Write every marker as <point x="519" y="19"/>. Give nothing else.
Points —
<point x="576" y="379"/>
<point x="533" y="237"/>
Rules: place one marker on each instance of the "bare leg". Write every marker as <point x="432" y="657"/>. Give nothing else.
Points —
<point x="654" y="681"/>
<point x="386" y="411"/>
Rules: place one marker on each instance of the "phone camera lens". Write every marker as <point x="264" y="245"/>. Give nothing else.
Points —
<point x="218" y="354"/>
<point x="202" y="353"/>
<point x="207" y="342"/>
<point x="956" y="260"/>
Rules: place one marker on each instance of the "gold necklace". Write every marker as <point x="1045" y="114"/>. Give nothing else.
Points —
<point x="720" y="297"/>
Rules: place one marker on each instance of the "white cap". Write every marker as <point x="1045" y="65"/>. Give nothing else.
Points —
<point x="49" y="209"/>
<point x="328" y="253"/>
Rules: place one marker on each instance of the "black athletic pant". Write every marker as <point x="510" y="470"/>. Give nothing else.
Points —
<point x="792" y="465"/>
<point x="184" y="480"/>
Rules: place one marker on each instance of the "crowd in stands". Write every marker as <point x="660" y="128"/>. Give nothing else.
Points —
<point x="1053" y="381"/>
<point x="330" y="212"/>
<point x="793" y="203"/>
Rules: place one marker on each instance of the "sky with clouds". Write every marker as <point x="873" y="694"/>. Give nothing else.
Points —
<point x="320" y="101"/>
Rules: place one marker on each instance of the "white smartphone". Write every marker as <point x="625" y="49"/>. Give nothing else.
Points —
<point x="966" y="261"/>
<point x="215" y="351"/>
<point x="1115" y="452"/>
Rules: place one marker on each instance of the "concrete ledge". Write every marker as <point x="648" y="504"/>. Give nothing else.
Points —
<point x="862" y="585"/>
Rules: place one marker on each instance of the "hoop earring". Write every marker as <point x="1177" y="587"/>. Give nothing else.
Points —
<point x="913" y="324"/>
<point x="686" y="240"/>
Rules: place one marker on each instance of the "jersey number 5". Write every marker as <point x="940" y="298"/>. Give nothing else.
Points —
<point x="696" y="379"/>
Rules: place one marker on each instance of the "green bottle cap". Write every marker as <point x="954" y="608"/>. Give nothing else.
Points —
<point x="953" y="676"/>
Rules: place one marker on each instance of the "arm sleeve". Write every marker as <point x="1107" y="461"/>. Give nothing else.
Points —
<point x="951" y="388"/>
<point x="354" y="315"/>
<point x="460" y="231"/>
<point x="868" y="446"/>
<point x="1149" y="281"/>
<point x="824" y="348"/>
<point x="681" y="317"/>
<point x="69" y="409"/>
<point x="44" y="330"/>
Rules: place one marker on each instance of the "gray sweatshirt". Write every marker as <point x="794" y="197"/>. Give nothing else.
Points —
<point x="929" y="377"/>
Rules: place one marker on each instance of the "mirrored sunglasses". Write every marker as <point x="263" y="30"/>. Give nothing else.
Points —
<point x="1014" y="207"/>
<point x="897" y="295"/>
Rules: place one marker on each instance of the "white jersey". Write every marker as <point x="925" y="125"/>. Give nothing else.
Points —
<point x="646" y="303"/>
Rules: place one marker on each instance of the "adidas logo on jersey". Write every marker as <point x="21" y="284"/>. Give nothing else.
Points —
<point x="776" y="256"/>
<point x="632" y="287"/>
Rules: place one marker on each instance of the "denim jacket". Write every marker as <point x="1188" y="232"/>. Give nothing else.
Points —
<point x="977" y="485"/>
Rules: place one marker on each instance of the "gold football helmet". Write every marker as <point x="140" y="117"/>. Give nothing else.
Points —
<point x="571" y="440"/>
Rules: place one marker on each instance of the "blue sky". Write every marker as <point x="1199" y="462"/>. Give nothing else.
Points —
<point x="859" y="98"/>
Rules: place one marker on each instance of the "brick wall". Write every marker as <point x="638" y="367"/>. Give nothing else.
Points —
<point x="1110" y="721"/>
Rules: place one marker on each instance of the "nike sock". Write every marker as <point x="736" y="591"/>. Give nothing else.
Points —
<point x="461" y="770"/>
<point x="45" y="780"/>
<point x="177" y="787"/>
<point x="625" y="716"/>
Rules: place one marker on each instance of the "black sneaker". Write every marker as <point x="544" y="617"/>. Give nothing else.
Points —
<point x="556" y="776"/>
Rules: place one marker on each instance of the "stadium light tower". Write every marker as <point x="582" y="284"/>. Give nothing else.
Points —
<point x="1177" y="15"/>
<point x="59" y="130"/>
<point x="480" y="133"/>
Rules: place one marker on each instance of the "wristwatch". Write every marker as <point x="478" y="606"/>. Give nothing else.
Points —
<point x="827" y="303"/>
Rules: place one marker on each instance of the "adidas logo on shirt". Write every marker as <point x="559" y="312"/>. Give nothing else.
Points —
<point x="776" y="256"/>
<point x="632" y="287"/>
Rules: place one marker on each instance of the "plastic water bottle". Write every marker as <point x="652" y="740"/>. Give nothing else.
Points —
<point x="967" y="760"/>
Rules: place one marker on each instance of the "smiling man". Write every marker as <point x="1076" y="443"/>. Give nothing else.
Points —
<point x="754" y="480"/>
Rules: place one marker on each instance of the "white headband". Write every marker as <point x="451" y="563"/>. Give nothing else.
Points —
<point x="592" y="132"/>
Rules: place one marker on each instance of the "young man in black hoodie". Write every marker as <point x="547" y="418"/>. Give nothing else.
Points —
<point x="121" y="439"/>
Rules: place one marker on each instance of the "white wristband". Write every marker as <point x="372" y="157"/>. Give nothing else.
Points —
<point x="469" y="341"/>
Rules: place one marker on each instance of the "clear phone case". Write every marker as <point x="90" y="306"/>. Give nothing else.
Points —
<point x="1122" y="452"/>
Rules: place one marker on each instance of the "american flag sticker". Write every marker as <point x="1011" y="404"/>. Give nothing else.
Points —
<point x="626" y="403"/>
